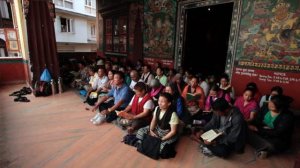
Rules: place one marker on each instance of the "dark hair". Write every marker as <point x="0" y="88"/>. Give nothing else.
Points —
<point x="140" y="86"/>
<point x="281" y="102"/>
<point x="174" y="88"/>
<point x="101" y="67"/>
<point x="121" y="74"/>
<point x="215" y="88"/>
<point x="220" y="105"/>
<point x="82" y="63"/>
<point x="277" y="89"/>
<point x="168" y="96"/>
<point x="195" y="77"/>
<point x="112" y="71"/>
<point x="225" y="76"/>
<point x="92" y="68"/>
<point x="253" y="86"/>
<point x="251" y="90"/>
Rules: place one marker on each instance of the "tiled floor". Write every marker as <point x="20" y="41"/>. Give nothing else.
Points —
<point x="55" y="132"/>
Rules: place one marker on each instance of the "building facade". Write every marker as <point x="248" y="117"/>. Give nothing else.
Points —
<point x="14" y="59"/>
<point x="75" y="27"/>
<point x="263" y="43"/>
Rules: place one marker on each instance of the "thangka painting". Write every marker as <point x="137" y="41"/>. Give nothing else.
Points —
<point x="270" y="34"/>
<point x="159" y="28"/>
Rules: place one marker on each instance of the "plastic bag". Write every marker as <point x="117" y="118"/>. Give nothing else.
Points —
<point x="45" y="76"/>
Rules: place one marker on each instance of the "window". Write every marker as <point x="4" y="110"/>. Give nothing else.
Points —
<point x="3" y="50"/>
<point x="116" y="35"/>
<point x="64" y="3"/>
<point x="90" y="7"/>
<point x="88" y="3"/>
<point x="4" y="9"/>
<point x="66" y="24"/>
<point x="93" y="30"/>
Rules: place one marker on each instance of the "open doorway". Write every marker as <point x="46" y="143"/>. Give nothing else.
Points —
<point x="206" y="38"/>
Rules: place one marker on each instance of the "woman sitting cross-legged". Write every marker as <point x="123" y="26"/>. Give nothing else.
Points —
<point x="164" y="123"/>
<point x="272" y="129"/>
<point x="247" y="105"/>
<point x="138" y="113"/>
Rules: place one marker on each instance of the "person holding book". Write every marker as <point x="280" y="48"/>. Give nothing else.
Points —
<point x="271" y="131"/>
<point x="163" y="124"/>
<point x="138" y="113"/>
<point x="194" y="96"/>
<point x="214" y="93"/>
<point x="225" y="86"/>
<point x="230" y="129"/>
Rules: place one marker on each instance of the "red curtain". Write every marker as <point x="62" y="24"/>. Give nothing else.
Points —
<point x="41" y="39"/>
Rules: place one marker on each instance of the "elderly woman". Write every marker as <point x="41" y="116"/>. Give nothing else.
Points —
<point x="156" y="89"/>
<point x="272" y="130"/>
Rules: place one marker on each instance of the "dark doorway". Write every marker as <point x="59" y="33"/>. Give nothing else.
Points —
<point x="206" y="38"/>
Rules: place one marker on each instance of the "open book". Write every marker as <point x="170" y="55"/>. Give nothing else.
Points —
<point x="192" y="97"/>
<point x="124" y="114"/>
<point x="210" y="135"/>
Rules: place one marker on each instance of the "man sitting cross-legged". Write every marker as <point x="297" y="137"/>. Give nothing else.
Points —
<point x="121" y="95"/>
<point x="229" y="122"/>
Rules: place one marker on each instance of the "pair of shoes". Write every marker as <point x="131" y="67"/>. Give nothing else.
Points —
<point x="206" y="151"/>
<point x="26" y="90"/>
<point x="100" y="119"/>
<point x="21" y="99"/>
<point x="95" y="117"/>
<point x="262" y="154"/>
<point x="16" y="93"/>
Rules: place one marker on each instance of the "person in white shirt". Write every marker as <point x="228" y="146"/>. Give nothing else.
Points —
<point x="147" y="76"/>
<point x="276" y="90"/>
<point x="93" y="76"/>
<point x="99" y="83"/>
<point x="203" y="84"/>
<point x="134" y="75"/>
<point x="161" y="76"/>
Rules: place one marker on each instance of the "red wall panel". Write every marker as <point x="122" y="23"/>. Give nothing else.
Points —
<point x="265" y="80"/>
<point x="12" y="73"/>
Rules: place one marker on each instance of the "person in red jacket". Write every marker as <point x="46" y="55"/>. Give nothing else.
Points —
<point x="138" y="113"/>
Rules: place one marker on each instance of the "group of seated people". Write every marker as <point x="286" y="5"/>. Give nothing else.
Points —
<point x="168" y="106"/>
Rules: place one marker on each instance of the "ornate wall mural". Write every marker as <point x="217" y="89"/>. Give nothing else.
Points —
<point x="159" y="27"/>
<point x="270" y="35"/>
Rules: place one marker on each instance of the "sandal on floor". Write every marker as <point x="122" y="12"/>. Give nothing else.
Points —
<point x="16" y="93"/>
<point x="21" y="99"/>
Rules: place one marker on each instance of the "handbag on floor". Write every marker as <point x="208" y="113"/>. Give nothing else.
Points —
<point x="150" y="146"/>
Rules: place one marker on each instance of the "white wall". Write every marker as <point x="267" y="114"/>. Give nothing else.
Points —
<point x="68" y="41"/>
<point x="79" y="26"/>
<point x="79" y="7"/>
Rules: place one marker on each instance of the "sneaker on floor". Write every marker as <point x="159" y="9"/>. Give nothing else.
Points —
<point x="99" y="119"/>
<point x="262" y="154"/>
<point x="95" y="117"/>
<point x="207" y="152"/>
